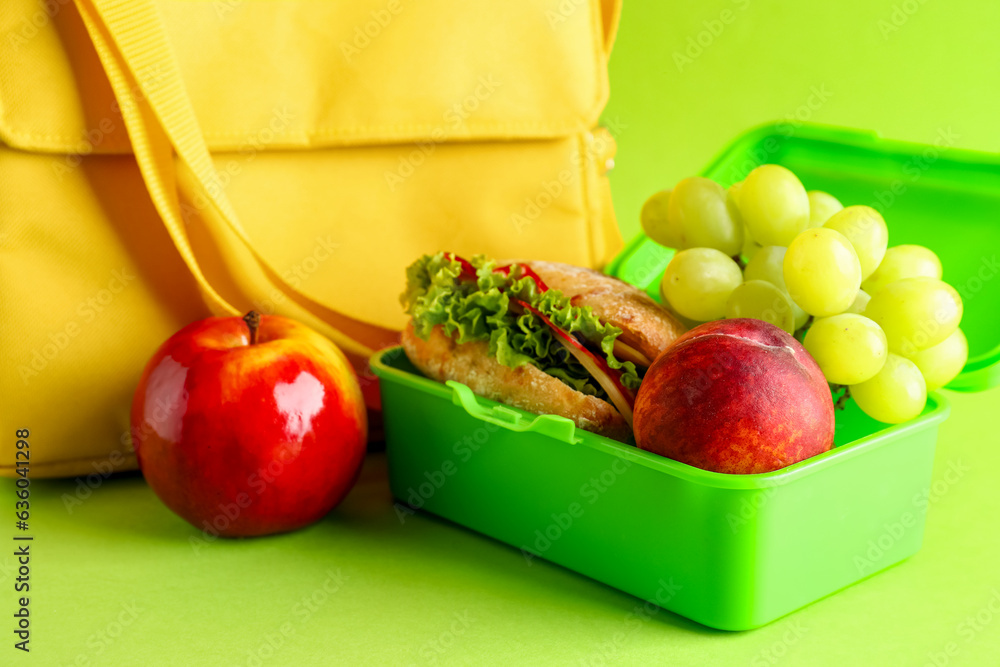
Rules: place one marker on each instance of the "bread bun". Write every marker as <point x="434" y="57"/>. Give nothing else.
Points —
<point x="526" y="387"/>
<point x="647" y="328"/>
<point x="645" y="324"/>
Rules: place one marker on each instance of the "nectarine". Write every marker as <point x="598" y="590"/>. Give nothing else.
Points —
<point x="735" y="396"/>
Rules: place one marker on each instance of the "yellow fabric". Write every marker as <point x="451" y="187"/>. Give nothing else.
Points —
<point x="163" y="161"/>
<point x="240" y="60"/>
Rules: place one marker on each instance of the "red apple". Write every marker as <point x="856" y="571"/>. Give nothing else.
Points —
<point x="249" y="427"/>
<point x="735" y="396"/>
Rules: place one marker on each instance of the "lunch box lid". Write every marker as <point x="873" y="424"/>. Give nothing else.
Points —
<point x="935" y="195"/>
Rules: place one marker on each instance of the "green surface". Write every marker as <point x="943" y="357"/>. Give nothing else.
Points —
<point x="410" y="588"/>
<point x="422" y="591"/>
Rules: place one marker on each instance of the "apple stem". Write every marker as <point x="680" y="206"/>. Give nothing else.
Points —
<point x="253" y="322"/>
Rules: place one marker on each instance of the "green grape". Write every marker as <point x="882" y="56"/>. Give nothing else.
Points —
<point x="766" y="264"/>
<point x="941" y="363"/>
<point x="849" y="348"/>
<point x="774" y="205"/>
<point x="762" y="301"/>
<point x="903" y="261"/>
<point x="895" y="394"/>
<point x="700" y="214"/>
<point x="865" y="229"/>
<point x="822" y="206"/>
<point x="822" y="272"/>
<point x="916" y="313"/>
<point x="698" y="282"/>
<point x="653" y="218"/>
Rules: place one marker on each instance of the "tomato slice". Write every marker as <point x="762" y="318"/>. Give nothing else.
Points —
<point x="525" y="271"/>
<point x="607" y="377"/>
<point x="469" y="271"/>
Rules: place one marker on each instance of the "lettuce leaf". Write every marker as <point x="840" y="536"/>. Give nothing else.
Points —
<point x="437" y="294"/>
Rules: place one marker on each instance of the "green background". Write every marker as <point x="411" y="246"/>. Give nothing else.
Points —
<point x="938" y="69"/>
<point x="117" y="580"/>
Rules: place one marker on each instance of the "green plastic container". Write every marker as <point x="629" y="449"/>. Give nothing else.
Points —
<point x="730" y="551"/>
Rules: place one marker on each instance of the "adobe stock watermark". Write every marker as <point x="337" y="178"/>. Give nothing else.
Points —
<point x="968" y="629"/>
<point x="93" y="137"/>
<point x="434" y="480"/>
<point x="229" y="511"/>
<point x="29" y="26"/>
<point x="452" y="120"/>
<point x="160" y="414"/>
<point x="300" y="613"/>
<point x="434" y="649"/>
<point x="364" y="34"/>
<point x="711" y="29"/>
<point x="701" y="380"/>
<point x="818" y="96"/>
<point x="899" y="16"/>
<point x="86" y="312"/>
<point x="8" y="568"/>
<point x="87" y="484"/>
<point x="868" y="562"/>
<point x="563" y="521"/>
<point x="748" y="509"/>
<point x="101" y="641"/>
<point x="776" y="651"/>
<point x="610" y="650"/>
<point x="324" y="247"/>
<point x="654" y="263"/>
<point x="556" y="16"/>
<point x="928" y="329"/>
<point x="281" y="119"/>
<point x="550" y="191"/>
<point x="779" y="311"/>
<point x="914" y="169"/>
<point x="987" y="270"/>
<point x="225" y="7"/>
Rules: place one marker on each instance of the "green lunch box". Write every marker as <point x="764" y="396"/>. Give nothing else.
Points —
<point x="730" y="551"/>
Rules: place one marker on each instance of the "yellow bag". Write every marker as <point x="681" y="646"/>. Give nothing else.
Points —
<point x="349" y="137"/>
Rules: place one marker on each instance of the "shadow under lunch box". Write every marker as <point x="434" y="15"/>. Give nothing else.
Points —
<point x="729" y="551"/>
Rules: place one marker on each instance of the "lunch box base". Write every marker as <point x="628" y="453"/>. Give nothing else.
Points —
<point x="732" y="552"/>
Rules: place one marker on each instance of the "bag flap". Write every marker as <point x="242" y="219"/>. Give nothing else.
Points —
<point x="303" y="73"/>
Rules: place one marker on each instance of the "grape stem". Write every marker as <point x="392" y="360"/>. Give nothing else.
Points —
<point x="841" y="401"/>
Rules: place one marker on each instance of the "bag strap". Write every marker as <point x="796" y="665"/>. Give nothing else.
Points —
<point x="132" y="45"/>
<point x="611" y="12"/>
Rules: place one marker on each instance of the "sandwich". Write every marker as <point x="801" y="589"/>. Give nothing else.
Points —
<point x="545" y="337"/>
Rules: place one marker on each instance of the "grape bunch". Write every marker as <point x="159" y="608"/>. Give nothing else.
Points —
<point x="879" y="321"/>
